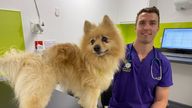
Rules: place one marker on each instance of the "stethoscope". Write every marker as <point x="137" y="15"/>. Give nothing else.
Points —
<point x="128" y="60"/>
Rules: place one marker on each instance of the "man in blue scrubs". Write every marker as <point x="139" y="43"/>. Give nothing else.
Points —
<point x="145" y="75"/>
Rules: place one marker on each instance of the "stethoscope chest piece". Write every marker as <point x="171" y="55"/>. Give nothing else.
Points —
<point x="127" y="66"/>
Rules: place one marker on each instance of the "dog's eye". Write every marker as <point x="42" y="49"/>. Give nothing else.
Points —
<point x="92" y="41"/>
<point x="104" y="39"/>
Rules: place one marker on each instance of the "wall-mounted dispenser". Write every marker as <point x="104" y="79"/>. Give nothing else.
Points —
<point x="182" y="5"/>
<point x="36" y="28"/>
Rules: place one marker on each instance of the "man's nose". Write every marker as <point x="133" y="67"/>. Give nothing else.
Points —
<point x="147" y="26"/>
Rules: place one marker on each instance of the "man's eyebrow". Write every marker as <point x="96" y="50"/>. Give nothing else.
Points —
<point x="142" y="20"/>
<point x="153" y="21"/>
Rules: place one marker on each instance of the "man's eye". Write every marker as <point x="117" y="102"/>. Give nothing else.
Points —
<point x="153" y="23"/>
<point x="92" y="41"/>
<point x="104" y="39"/>
<point x="141" y="23"/>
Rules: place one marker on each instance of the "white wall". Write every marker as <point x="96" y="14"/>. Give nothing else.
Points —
<point x="182" y="74"/>
<point x="68" y="27"/>
<point x="128" y="9"/>
<point x="169" y="13"/>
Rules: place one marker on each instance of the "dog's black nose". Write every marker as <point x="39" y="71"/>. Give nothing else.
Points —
<point x="97" y="48"/>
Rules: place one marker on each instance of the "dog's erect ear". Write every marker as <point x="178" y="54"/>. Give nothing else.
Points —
<point x="107" y="21"/>
<point x="88" y="26"/>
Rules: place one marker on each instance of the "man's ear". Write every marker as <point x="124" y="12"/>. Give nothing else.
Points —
<point x="88" y="26"/>
<point x="158" y="27"/>
<point x="107" y="21"/>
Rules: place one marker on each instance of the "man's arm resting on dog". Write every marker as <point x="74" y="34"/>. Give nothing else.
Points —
<point x="161" y="98"/>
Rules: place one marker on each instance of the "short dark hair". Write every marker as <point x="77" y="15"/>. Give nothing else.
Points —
<point x="149" y="10"/>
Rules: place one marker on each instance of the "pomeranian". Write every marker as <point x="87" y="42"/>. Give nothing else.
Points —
<point x="86" y="70"/>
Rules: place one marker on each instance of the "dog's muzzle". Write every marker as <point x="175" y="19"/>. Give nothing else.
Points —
<point x="98" y="50"/>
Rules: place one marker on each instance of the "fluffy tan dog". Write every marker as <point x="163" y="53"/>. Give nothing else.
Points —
<point x="86" y="70"/>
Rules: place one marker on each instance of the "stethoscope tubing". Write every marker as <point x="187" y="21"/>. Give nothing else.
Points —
<point x="129" y="61"/>
<point x="160" y="69"/>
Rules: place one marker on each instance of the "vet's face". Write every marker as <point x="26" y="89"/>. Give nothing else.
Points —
<point x="100" y="44"/>
<point x="146" y="27"/>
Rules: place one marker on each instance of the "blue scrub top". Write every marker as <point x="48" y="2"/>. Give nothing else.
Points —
<point x="136" y="89"/>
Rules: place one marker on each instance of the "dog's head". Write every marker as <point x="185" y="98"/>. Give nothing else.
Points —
<point x="103" y="40"/>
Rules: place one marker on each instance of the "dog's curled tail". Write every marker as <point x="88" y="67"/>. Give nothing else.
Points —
<point x="61" y="53"/>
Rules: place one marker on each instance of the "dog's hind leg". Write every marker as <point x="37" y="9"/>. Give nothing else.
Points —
<point x="36" y="98"/>
<point x="34" y="91"/>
